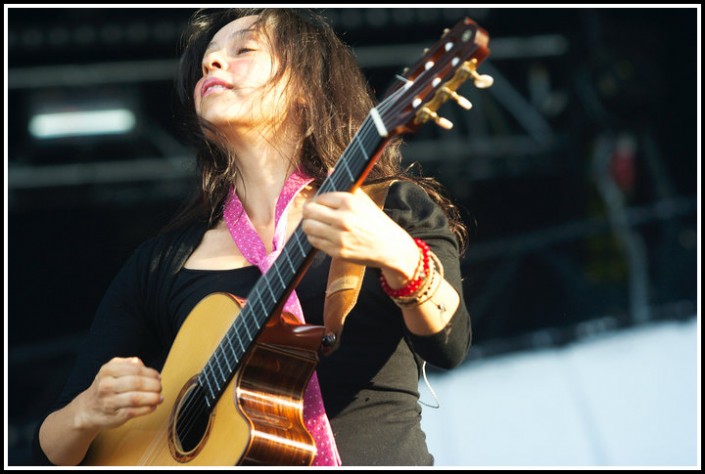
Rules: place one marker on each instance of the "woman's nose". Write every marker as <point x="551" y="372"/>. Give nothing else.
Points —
<point x="214" y="60"/>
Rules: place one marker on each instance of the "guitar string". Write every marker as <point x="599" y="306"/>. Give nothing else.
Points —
<point x="383" y="108"/>
<point x="365" y="128"/>
<point x="260" y="296"/>
<point x="272" y="298"/>
<point x="191" y="413"/>
<point x="264" y="298"/>
<point x="264" y="294"/>
<point x="244" y="319"/>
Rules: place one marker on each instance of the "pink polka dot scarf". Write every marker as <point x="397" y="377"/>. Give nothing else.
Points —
<point x="253" y="249"/>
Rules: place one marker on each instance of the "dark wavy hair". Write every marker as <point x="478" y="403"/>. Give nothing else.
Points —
<point x="337" y="98"/>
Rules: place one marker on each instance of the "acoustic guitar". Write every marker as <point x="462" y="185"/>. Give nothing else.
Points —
<point x="234" y="379"/>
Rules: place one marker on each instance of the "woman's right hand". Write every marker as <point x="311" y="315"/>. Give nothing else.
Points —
<point x="124" y="388"/>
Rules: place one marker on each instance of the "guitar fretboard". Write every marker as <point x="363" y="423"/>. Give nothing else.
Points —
<point x="274" y="287"/>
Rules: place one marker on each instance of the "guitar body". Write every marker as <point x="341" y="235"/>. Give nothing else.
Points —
<point x="257" y="420"/>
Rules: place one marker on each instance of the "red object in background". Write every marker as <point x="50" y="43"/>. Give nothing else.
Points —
<point x="623" y="165"/>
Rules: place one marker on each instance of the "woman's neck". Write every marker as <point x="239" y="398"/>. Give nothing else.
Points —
<point x="263" y="166"/>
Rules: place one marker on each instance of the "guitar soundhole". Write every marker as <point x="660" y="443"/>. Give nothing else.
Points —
<point x="190" y="423"/>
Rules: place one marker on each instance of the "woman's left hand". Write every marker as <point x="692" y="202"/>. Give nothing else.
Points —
<point x="351" y="226"/>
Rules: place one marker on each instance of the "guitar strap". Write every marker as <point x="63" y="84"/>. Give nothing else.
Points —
<point x="344" y="282"/>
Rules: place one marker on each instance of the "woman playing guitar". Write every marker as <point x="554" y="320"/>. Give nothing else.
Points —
<point x="272" y="100"/>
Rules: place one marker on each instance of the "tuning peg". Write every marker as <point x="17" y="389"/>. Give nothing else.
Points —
<point x="425" y="113"/>
<point x="441" y="121"/>
<point x="462" y="101"/>
<point x="481" y="81"/>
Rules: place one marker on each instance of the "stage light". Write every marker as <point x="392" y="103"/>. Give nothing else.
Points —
<point x="76" y="123"/>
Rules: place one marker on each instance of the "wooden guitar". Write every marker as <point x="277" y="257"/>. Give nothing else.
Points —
<point x="234" y="379"/>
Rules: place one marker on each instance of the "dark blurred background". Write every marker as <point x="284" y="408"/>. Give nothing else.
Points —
<point x="576" y="171"/>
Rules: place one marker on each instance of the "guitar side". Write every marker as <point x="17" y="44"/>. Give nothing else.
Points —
<point x="245" y="426"/>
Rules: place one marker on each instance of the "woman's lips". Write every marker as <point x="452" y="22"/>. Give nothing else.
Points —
<point x="214" y="84"/>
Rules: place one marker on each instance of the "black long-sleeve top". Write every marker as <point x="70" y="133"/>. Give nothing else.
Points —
<point x="369" y="384"/>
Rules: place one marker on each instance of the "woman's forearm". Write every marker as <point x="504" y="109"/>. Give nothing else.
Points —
<point x="431" y="316"/>
<point x="63" y="436"/>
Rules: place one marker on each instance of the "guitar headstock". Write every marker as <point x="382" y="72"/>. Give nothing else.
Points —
<point x="435" y="78"/>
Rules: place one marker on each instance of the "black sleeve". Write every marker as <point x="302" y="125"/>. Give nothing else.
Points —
<point x="412" y="208"/>
<point x="132" y="318"/>
<point x="119" y="328"/>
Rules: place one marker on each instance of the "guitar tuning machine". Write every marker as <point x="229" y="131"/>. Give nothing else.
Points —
<point x="451" y="94"/>
<point x="481" y="81"/>
<point x="425" y="114"/>
<point x="441" y="121"/>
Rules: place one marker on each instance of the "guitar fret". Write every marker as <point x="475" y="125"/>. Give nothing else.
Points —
<point x="232" y="350"/>
<point x="328" y="185"/>
<point x="220" y="369"/>
<point x="288" y="259"/>
<point x="276" y="270"/>
<point x="362" y="148"/>
<point x="345" y="165"/>
<point x="260" y="300"/>
<point x="339" y="184"/>
<point x="239" y="340"/>
<point x="243" y="322"/>
<point x="231" y="361"/>
<point x="269" y="287"/>
<point x="208" y="382"/>
<point x="301" y="249"/>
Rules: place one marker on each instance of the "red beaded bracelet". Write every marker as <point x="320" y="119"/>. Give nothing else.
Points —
<point x="416" y="280"/>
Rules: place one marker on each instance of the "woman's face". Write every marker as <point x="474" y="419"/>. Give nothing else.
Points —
<point x="237" y="65"/>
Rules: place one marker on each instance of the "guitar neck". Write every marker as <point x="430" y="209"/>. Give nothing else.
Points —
<point x="271" y="291"/>
<point x="410" y="102"/>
